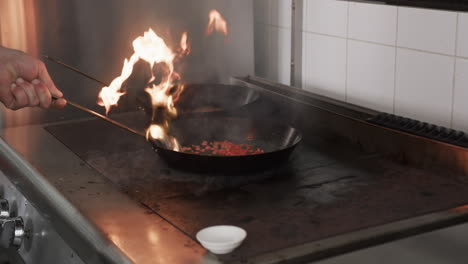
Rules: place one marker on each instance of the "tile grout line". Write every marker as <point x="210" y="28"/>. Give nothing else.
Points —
<point x="395" y="62"/>
<point x="387" y="45"/>
<point x="454" y="72"/>
<point x="372" y="42"/>
<point x="347" y="55"/>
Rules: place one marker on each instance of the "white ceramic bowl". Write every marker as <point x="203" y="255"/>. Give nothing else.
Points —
<point x="221" y="239"/>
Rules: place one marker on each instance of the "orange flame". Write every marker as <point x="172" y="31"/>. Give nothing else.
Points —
<point x="158" y="132"/>
<point x="110" y="96"/>
<point x="184" y="44"/>
<point x="216" y="22"/>
<point x="165" y="90"/>
<point x="152" y="49"/>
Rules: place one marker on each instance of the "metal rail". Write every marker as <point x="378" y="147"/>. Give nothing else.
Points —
<point x="87" y="110"/>
<point x="103" y="117"/>
<point x="74" y="69"/>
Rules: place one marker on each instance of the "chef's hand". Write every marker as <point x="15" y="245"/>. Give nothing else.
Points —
<point x="24" y="81"/>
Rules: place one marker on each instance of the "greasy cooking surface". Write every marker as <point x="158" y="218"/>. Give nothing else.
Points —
<point x="328" y="188"/>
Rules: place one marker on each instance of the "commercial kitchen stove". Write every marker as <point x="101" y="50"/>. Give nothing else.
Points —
<point x="351" y="183"/>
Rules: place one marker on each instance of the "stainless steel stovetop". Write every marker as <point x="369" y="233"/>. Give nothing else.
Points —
<point x="343" y="189"/>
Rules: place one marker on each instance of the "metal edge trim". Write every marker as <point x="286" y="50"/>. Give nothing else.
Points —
<point x="60" y="211"/>
<point x="365" y="238"/>
<point x="363" y="119"/>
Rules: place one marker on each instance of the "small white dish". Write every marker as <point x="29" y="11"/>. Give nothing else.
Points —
<point x="221" y="239"/>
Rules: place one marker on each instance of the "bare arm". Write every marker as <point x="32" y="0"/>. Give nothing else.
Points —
<point x="24" y="81"/>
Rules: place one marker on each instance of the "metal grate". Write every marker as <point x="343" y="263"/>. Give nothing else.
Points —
<point x="423" y="129"/>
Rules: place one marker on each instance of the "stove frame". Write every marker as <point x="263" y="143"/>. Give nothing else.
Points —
<point x="94" y="217"/>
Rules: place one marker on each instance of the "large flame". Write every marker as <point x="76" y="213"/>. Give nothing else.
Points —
<point x="161" y="88"/>
<point x="164" y="86"/>
<point x="216" y="22"/>
<point x="152" y="49"/>
<point x="110" y="96"/>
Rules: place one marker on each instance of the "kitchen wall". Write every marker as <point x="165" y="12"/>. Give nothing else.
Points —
<point x="408" y="61"/>
<point x="273" y="39"/>
<point x="96" y="37"/>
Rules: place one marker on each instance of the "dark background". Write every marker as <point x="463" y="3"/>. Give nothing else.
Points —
<point x="455" y="5"/>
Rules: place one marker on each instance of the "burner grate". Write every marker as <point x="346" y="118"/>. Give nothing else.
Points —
<point x="423" y="129"/>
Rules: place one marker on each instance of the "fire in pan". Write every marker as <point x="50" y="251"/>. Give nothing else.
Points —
<point x="207" y="98"/>
<point x="196" y="142"/>
<point x="216" y="144"/>
<point x="195" y="98"/>
<point x="220" y="144"/>
<point x="228" y="145"/>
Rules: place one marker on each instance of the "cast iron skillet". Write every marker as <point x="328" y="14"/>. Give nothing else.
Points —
<point x="277" y="140"/>
<point x="207" y="98"/>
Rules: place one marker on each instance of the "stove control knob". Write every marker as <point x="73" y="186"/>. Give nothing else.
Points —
<point x="11" y="232"/>
<point x="4" y="209"/>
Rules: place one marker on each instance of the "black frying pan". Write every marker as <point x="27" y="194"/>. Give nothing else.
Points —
<point x="207" y="98"/>
<point x="277" y="140"/>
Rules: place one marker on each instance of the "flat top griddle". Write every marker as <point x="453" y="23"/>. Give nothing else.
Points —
<point x="329" y="187"/>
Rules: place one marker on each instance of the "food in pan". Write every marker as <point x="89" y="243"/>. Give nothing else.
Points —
<point x="222" y="148"/>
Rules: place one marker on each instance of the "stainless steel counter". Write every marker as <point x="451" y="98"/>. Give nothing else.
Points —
<point x="100" y="223"/>
<point x="103" y="225"/>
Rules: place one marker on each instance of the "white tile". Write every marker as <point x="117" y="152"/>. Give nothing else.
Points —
<point x="262" y="11"/>
<point x="428" y="30"/>
<point x="371" y="22"/>
<point x="460" y="105"/>
<point x="325" y="65"/>
<point x="462" y="45"/>
<point x="326" y="17"/>
<point x="280" y="56"/>
<point x="371" y="75"/>
<point x="424" y="86"/>
<point x="262" y="49"/>
<point x="281" y="13"/>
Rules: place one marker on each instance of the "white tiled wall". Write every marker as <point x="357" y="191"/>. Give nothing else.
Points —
<point x="407" y="61"/>
<point x="326" y="17"/>
<point x="374" y="23"/>
<point x="462" y="43"/>
<point x="325" y="64"/>
<point x="424" y="86"/>
<point x="371" y="74"/>
<point x="460" y="104"/>
<point x="427" y="30"/>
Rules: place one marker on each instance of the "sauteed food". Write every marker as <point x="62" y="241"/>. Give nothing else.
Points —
<point x="222" y="148"/>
